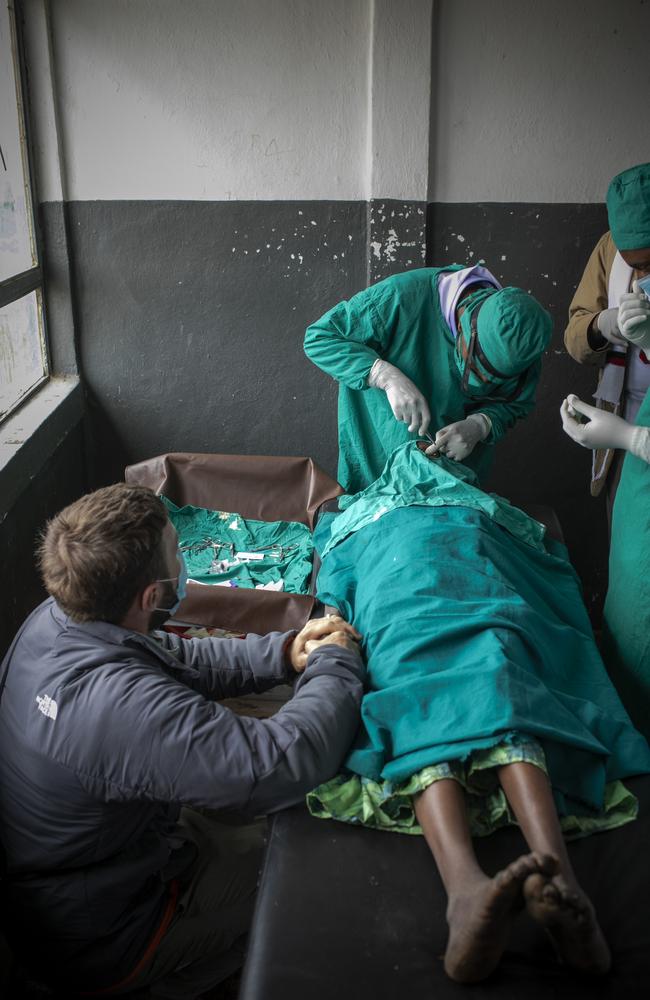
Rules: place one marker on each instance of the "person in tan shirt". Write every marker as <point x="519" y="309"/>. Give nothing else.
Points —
<point x="594" y="334"/>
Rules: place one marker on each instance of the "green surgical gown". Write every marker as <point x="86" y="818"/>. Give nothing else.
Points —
<point x="400" y="320"/>
<point x="626" y="646"/>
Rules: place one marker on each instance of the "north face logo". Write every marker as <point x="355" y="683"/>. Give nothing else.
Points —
<point x="47" y="705"/>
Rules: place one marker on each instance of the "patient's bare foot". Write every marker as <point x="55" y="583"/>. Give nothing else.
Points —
<point x="570" y="919"/>
<point x="479" y="920"/>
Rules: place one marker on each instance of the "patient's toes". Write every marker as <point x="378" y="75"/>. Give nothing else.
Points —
<point x="528" y="864"/>
<point x="569" y="917"/>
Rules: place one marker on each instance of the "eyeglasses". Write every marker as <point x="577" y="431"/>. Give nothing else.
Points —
<point x="474" y="350"/>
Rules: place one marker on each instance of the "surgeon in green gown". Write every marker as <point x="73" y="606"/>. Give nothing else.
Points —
<point x="444" y="350"/>
<point x="626" y="631"/>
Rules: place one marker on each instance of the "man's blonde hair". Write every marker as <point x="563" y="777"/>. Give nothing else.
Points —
<point x="99" y="552"/>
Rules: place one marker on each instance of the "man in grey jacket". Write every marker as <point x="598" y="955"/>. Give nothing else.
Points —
<point x="112" y="739"/>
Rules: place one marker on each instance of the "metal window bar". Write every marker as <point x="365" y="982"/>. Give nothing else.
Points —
<point x="19" y="285"/>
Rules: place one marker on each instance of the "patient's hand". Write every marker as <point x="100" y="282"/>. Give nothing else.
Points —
<point x="332" y="630"/>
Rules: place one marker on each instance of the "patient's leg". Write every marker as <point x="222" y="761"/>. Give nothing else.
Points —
<point x="480" y="909"/>
<point x="557" y="902"/>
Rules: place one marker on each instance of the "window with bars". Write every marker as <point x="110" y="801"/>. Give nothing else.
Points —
<point x="23" y="345"/>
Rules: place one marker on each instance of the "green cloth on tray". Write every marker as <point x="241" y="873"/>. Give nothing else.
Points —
<point x="285" y="547"/>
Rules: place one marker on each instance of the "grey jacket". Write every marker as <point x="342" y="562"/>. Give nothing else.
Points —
<point x="105" y="733"/>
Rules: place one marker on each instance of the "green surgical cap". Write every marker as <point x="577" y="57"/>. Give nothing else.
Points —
<point x="628" y="208"/>
<point x="513" y="330"/>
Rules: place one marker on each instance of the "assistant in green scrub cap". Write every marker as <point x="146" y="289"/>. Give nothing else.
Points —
<point x="628" y="208"/>
<point x="513" y="330"/>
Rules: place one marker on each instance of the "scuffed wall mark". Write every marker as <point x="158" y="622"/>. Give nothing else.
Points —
<point x="274" y="150"/>
<point x="396" y="237"/>
<point x="308" y="243"/>
<point x="392" y="245"/>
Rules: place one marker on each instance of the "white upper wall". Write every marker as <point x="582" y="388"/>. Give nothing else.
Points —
<point x="529" y="100"/>
<point x="537" y="100"/>
<point x="212" y="99"/>
<point x="399" y="99"/>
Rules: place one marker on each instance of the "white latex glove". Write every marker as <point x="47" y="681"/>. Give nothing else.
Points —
<point x="634" y="317"/>
<point x="458" y="440"/>
<point x="607" y="324"/>
<point x="603" y="430"/>
<point x="406" y="401"/>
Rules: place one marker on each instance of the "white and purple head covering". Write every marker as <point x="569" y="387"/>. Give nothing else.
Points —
<point x="452" y="283"/>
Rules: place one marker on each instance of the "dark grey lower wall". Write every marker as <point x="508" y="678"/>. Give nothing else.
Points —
<point x="190" y="324"/>
<point x="60" y="481"/>
<point x="190" y="318"/>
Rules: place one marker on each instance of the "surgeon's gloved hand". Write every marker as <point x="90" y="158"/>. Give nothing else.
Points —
<point x="458" y="440"/>
<point x="602" y="429"/>
<point x="406" y="401"/>
<point x="634" y="317"/>
<point x="607" y="325"/>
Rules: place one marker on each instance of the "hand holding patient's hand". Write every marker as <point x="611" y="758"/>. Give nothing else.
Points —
<point x="332" y="630"/>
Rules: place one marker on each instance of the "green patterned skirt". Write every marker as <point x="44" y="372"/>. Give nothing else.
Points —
<point x="385" y="805"/>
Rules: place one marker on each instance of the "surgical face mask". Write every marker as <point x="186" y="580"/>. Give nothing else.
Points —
<point x="181" y="587"/>
<point x="464" y="339"/>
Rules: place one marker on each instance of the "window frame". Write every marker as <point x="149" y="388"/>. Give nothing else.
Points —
<point x="19" y="285"/>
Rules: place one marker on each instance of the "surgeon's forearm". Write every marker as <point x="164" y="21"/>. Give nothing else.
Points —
<point x="345" y="343"/>
<point x="503" y="416"/>
<point x="590" y="298"/>
<point x="583" y="340"/>
<point x="595" y="339"/>
<point x="484" y="422"/>
<point x="343" y="358"/>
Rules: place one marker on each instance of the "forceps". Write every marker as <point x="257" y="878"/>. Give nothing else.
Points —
<point x="431" y="441"/>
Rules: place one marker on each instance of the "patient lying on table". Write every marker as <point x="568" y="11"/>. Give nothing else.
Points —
<point x="487" y="702"/>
